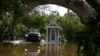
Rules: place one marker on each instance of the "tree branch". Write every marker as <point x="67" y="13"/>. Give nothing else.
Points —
<point x="95" y="4"/>
<point x="81" y="8"/>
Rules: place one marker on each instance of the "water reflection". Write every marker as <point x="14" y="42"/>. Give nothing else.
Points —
<point x="11" y="50"/>
<point x="52" y="49"/>
<point x="35" y="49"/>
<point x="32" y="49"/>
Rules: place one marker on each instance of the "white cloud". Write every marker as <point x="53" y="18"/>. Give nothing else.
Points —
<point x="52" y="7"/>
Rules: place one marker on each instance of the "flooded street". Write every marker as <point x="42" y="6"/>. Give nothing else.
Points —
<point x="36" y="49"/>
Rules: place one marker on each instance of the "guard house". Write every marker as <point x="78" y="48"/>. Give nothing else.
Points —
<point x="53" y="32"/>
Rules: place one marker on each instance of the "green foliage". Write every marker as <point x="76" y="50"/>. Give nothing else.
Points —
<point x="5" y="25"/>
<point x="35" y="21"/>
<point x="43" y="35"/>
<point x="19" y="30"/>
<point x="80" y="34"/>
<point x="11" y="13"/>
<point x="70" y="26"/>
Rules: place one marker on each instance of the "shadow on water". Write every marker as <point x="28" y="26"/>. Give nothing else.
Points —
<point x="36" y="49"/>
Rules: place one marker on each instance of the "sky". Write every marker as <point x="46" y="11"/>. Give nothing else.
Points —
<point x="51" y="7"/>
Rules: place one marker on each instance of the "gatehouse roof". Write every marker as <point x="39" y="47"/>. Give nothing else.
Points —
<point x="53" y="25"/>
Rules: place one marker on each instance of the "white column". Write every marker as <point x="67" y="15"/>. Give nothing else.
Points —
<point x="55" y="35"/>
<point x="47" y="35"/>
<point x="58" y="42"/>
<point x="50" y="36"/>
<point x="58" y="36"/>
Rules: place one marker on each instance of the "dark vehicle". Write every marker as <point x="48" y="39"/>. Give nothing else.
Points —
<point x="33" y="35"/>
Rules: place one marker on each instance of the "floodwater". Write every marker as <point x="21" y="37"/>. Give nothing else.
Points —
<point x="36" y="49"/>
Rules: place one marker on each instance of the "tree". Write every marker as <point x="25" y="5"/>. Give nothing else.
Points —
<point x="14" y="8"/>
<point x="82" y="8"/>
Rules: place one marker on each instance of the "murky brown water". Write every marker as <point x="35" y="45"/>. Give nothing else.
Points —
<point x="35" y="49"/>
